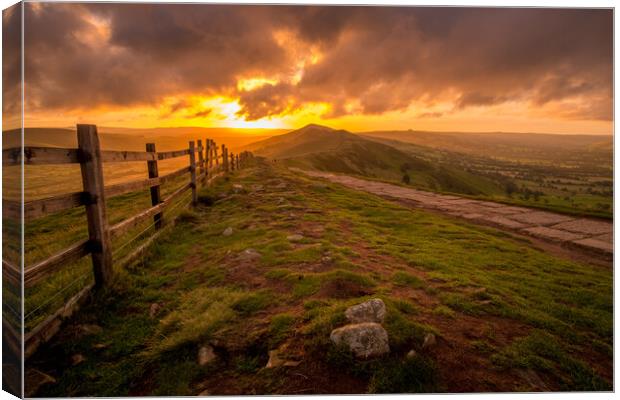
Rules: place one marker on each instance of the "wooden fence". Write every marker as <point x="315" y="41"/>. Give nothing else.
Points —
<point x="93" y="197"/>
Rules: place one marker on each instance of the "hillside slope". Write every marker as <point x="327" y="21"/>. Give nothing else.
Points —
<point x="301" y="251"/>
<point x="325" y="149"/>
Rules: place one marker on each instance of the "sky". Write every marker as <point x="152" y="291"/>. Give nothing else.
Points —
<point x="355" y="68"/>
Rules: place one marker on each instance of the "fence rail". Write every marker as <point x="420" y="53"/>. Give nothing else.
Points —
<point x="93" y="197"/>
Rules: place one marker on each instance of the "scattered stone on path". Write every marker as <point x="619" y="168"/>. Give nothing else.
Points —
<point x="295" y="237"/>
<point x="365" y="340"/>
<point x="154" y="309"/>
<point x="77" y="359"/>
<point x="411" y="354"/>
<point x="228" y="231"/>
<point x="99" y="346"/>
<point x="249" y="255"/>
<point x="90" y="329"/>
<point x="292" y="363"/>
<point x="206" y="355"/>
<point x="274" y="359"/>
<point x="34" y="379"/>
<point x="429" y="340"/>
<point x="369" y="311"/>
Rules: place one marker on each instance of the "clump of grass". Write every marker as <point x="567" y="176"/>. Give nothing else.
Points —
<point x="200" y="314"/>
<point x="413" y="375"/>
<point x="278" y="273"/>
<point x="542" y="351"/>
<point x="253" y="302"/>
<point x="444" y="311"/>
<point x="280" y="327"/>
<point x="187" y="217"/>
<point x="404" y="279"/>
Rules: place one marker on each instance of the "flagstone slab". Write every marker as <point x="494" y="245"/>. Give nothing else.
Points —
<point x="540" y="218"/>
<point x="586" y="226"/>
<point x="552" y="234"/>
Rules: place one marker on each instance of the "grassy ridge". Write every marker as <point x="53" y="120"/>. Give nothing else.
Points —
<point x="511" y="311"/>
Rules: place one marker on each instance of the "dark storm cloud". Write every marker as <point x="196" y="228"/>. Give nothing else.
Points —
<point x="381" y="58"/>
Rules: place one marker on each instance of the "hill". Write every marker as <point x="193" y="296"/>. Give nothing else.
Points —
<point x="302" y="250"/>
<point x="505" y="145"/>
<point x="325" y="149"/>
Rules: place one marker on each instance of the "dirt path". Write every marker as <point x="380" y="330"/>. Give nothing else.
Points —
<point x="588" y="234"/>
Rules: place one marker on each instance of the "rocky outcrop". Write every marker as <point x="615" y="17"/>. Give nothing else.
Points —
<point x="368" y="311"/>
<point x="365" y="340"/>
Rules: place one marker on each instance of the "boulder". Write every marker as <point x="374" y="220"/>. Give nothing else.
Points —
<point x="365" y="340"/>
<point x="206" y="355"/>
<point x="368" y="311"/>
<point x="228" y="231"/>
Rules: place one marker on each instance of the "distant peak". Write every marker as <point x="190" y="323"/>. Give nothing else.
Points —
<point x="316" y="126"/>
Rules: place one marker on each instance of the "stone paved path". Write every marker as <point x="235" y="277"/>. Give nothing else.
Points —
<point x="585" y="233"/>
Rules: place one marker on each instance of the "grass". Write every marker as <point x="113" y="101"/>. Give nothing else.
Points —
<point x="435" y="275"/>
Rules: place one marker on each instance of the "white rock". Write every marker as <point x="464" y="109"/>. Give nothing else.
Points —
<point x="206" y="355"/>
<point x="411" y="354"/>
<point x="365" y="340"/>
<point x="228" y="231"/>
<point x="295" y="238"/>
<point x="429" y="340"/>
<point x="369" y="311"/>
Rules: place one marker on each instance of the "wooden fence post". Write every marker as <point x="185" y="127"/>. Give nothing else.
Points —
<point x="92" y="181"/>
<point x="237" y="160"/>
<point x="155" y="191"/>
<point x="224" y="158"/>
<point x="232" y="162"/>
<point x="217" y="160"/>
<point x="192" y="169"/>
<point x="201" y="160"/>
<point x="208" y="157"/>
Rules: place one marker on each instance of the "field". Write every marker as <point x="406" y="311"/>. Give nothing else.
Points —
<point x="517" y="318"/>
<point x="568" y="173"/>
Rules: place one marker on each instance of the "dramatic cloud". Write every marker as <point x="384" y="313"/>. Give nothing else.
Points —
<point x="353" y="60"/>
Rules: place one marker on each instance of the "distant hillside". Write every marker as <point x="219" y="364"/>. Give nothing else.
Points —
<point x="515" y="146"/>
<point x="322" y="148"/>
<point x="135" y="139"/>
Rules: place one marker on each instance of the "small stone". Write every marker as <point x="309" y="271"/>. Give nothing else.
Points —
<point x="206" y="355"/>
<point x="292" y="363"/>
<point x="365" y="340"/>
<point x="237" y="188"/>
<point x="228" y="231"/>
<point x="326" y="259"/>
<point x="77" y="359"/>
<point x="368" y="311"/>
<point x="275" y="360"/>
<point x="429" y="340"/>
<point x="295" y="238"/>
<point x="90" y="329"/>
<point x="249" y="255"/>
<point x="411" y="354"/>
<point x="154" y="309"/>
<point x="34" y="379"/>
<point x="99" y="346"/>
